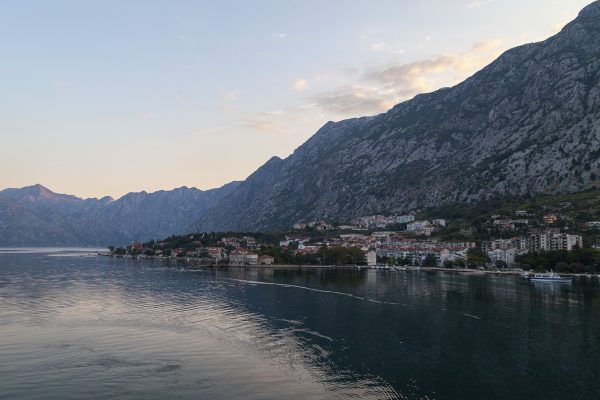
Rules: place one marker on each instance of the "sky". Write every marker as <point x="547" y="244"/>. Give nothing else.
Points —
<point x="108" y="97"/>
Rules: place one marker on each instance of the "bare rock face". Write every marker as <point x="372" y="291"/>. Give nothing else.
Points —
<point x="528" y="123"/>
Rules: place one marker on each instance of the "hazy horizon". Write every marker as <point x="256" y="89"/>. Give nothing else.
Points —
<point x="108" y="98"/>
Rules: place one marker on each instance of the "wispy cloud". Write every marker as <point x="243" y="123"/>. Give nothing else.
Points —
<point x="374" y="90"/>
<point x="479" y="3"/>
<point x="280" y="35"/>
<point x="214" y="129"/>
<point x="386" y="47"/>
<point x="230" y="95"/>
<point x="287" y="121"/>
<point x="300" y="84"/>
<point x="350" y="100"/>
<point x="261" y="124"/>
<point x="380" y="88"/>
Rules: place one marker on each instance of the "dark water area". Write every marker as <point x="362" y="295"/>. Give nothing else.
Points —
<point x="75" y="327"/>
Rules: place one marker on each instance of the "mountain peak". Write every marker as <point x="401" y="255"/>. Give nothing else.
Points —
<point x="524" y="125"/>
<point x="40" y="190"/>
<point x="34" y="193"/>
<point x="592" y="10"/>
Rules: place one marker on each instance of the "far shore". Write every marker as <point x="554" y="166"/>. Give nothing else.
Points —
<point x="194" y="264"/>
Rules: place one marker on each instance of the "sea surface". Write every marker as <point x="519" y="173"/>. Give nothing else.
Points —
<point x="79" y="327"/>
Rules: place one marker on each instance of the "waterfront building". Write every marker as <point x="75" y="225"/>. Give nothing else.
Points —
<point x="266" y="260"/>
<point x="243" y="257"/>
<point x="371" y="258"/>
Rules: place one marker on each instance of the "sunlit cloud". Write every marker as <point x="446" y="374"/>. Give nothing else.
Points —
<point x="380" y="88"/>
<point x="286" y="121"/>
<point x="377" y="89"/>
<point x="351" y="100"/>
<point x="300" y="84"/>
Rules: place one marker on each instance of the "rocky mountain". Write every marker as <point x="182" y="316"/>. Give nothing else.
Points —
<point x="36" y="216"/>
<point x="528" y="123"/>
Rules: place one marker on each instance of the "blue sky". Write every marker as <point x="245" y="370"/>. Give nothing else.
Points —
<point x="106" y="97"/>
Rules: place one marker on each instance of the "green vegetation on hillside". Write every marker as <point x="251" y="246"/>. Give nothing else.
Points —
<point x="472" y="221"/>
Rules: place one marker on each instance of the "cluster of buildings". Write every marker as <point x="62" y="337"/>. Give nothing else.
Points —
<point x="248" y="242"/>
<point x="381" y="221"/>
<point x="416" y="251"/>
<point x="387" y="244"/>
<point x="525" y="219"/>
<point x="549" y="239"/>
<point x="425" y="228"/>
<point x="232" y="250"/>
<point x="318" y="225"/>
<point x="381" y="244"/>
<point x="370" y="222"/>
<point x="539" y="236"/>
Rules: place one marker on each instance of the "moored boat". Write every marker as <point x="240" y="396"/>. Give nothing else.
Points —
<point x="550" y="277"/>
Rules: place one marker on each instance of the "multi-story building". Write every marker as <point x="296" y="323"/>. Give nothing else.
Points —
<point x="506" y="255"/>
<point x="371" y="258"/>
<point x="553" y="240"/>
<point x="417" y="225"/>
<point x="405" y="219"/>
<point x="243" y="257"/>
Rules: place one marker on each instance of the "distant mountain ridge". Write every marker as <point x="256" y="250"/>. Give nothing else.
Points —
<point x="36" y="216"/>
<point x="526" y="124"/>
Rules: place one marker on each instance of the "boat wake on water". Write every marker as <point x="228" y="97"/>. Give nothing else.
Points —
<point x="315" y="290"/>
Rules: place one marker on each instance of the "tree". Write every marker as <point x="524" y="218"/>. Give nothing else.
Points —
<point x="448" y="264"/>
<point x="405" y="261"/>
<point x="356" y="255"/>
<point x="476" y="257"/>
<point x="339" y="255"/>
<point x="430" y="261"/>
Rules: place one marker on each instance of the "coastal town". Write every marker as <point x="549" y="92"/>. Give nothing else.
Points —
<point x="377" y="240"/>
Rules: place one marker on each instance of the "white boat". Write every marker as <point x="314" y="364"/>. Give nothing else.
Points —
<point x="550" y="277"/>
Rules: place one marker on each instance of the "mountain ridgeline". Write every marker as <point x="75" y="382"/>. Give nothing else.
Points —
<point x="528" y="123"/>
<point x="36" y="216"/>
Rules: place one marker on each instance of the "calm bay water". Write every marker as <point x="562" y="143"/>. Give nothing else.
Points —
<point x="76" y="327"/>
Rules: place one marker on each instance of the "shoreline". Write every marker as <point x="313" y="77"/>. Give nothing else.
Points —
<point x="193" y="264"/>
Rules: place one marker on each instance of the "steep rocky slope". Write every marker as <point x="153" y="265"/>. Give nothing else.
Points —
<point x="528" y="123"/>
<point x="36" y="216"/>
